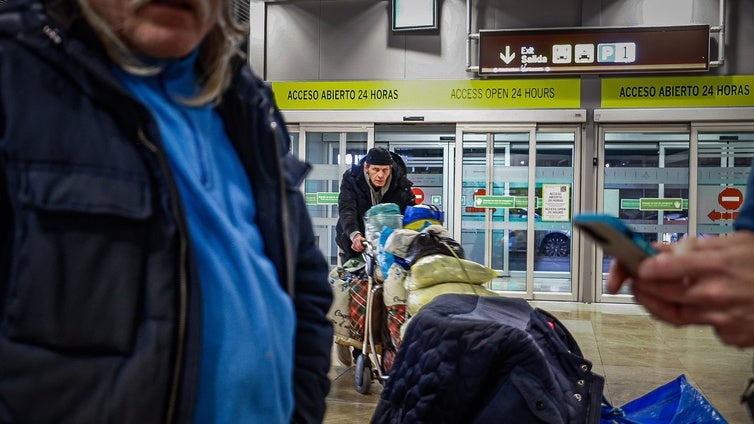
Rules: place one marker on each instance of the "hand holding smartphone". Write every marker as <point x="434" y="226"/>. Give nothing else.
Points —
<point x="617" y="239"/>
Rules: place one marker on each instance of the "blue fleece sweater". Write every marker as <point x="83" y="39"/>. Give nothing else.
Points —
<point x="248" y="320"/>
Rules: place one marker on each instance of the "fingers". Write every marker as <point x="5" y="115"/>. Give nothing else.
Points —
<point x="692" y="256"/>
<point x="663" y="247"/>
<point x="678" y="313"/>
<point x="616" y="276"/>
<point x="358" y="243"/>
<point x="664" y="290"/>
<point x="688" y="260"/>
<point x="684" y="245"/>
<point x="735" y="336"/>
<point x="666" y="311"/>
<point x="733" y="323"/>
<point x="701" y="281"/>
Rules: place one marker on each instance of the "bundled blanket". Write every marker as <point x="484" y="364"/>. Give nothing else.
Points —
<point x="406" y="287"/>
<point x="410" y="286"/>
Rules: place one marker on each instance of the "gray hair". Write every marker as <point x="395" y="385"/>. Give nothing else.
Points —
<point x="217" y="49"/>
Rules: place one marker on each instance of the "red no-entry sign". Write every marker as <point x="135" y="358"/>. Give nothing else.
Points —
<point x="419" y="193"/>
<point x="730" y="198"/>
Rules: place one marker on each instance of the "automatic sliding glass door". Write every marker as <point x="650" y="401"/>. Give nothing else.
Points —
<point x="499" y="188"/>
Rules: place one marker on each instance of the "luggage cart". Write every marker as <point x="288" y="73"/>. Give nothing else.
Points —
<point x="369" y="364"/>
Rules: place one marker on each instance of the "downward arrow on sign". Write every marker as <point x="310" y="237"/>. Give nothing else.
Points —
<point x="508" y="56"/>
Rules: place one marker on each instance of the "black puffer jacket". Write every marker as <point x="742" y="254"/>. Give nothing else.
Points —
<point x="486" y="359"/>
<point x="355" y="199"/>
<point x="99" y="299"/>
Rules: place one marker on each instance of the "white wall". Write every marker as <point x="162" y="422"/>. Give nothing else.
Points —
<point x="304" y="40"/>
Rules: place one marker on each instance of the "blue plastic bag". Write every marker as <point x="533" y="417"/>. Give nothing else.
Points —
<point x="378" y="217"/>
<point x="422" y="212"/>
<point x="383" y="209"/>
<point x="385" y="259"/>
<point x="677" y="402"/>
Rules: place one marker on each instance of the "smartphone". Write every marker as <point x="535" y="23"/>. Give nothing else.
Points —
<point x="617" y="239"/>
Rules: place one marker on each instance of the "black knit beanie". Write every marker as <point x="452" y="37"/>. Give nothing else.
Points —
<point x="378" y="156"/>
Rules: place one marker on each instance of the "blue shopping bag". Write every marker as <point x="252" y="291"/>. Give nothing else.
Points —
<point x="421" y="213"/>
<point x="677" y="402"/>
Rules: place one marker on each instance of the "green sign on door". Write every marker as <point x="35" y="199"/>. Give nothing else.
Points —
<point x="655" y="204"/>
<point x="327" y="198"/>
<point x="322" y="198"/>
<point x="504" y="201"/>
<point x="494" y="201"/>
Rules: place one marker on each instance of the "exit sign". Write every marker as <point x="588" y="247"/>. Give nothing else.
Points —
<point x="594" y="50"/>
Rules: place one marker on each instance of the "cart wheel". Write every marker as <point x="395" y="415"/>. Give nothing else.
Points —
<point x="363" y="375"/>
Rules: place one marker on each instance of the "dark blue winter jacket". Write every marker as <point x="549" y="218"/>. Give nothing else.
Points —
<point x="99" y="298"/>
<point x="480" y="359"/>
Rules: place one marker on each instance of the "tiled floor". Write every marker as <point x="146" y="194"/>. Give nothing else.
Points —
<point x="634" y="352"/>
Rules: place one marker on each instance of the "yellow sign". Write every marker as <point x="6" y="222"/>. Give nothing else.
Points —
<point x="702" y="91"/>
<point x="429" y="94"/>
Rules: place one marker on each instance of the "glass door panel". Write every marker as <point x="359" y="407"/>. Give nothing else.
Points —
<point x="554" y="211"/>
<point x="323" y="150"/>
<point x="428" y="152"/>
<point x="494" y="193"/>
<point x="510" y="179"/>
<point x="724" y="162"/>
<point x="293" y="134"/>
<point x="474" y="237"/>
<point x="646" y="183"/>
